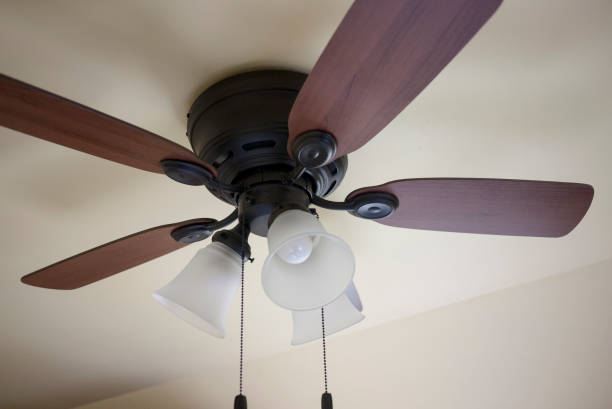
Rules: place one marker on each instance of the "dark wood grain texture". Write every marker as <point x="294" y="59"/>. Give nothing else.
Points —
<point x="383" y="54"/>
<point x="109" y="259"/>
<point x="39" y="113"/>
<point x="487" y="206"/>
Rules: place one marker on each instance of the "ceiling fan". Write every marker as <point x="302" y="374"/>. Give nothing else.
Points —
<point x="273" y="144"/>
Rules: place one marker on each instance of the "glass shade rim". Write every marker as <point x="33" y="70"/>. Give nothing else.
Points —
<point x="189" y="316"/>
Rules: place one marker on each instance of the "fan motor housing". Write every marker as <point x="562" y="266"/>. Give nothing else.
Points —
<point x="239" y="125"/>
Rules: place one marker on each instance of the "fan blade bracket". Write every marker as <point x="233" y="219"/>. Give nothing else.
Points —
<point x="313" y="149"/>
<point x="191" y="233"/>
<point x="184" y="172"/>
<point x="189" y="173"/>
<point x="367" y="205"/>
<point x="374" y="205"/>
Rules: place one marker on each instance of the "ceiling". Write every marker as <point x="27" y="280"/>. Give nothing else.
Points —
<point x="529" y="98"/>
<point x="542" y="345"/>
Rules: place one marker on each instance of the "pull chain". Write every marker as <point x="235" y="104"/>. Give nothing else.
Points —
<point x="324" y="349"/>
<point x="240" y="401"/>
<point x="241" y="321"/>
<point x="242" y="308"/>
<point x="326" y="398"/>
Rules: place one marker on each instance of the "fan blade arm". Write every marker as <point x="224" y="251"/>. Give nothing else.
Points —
<point x="111" y="258"/>
<point x="367" y="205"/>
<point x="191" y="233"/>
<point x="486" y="206"/>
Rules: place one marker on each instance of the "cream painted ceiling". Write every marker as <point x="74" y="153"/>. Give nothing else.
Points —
<point x="529" y="98"/>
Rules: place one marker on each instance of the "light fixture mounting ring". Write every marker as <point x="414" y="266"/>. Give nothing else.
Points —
<point x="258" y="204"/>
<point x="233" y="239"/>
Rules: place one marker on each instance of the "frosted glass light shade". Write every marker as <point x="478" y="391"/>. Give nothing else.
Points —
<point x="203" y="292"/>
<point x="339" y="315"/>
<point x="320" y="279"/>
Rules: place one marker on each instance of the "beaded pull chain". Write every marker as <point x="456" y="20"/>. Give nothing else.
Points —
<point x="240" y="402"/>
<point x="326" y="398"/>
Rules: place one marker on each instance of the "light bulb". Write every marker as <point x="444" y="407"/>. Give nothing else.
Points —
<point x="296" y="251"/>
<point x="317" y="275"/>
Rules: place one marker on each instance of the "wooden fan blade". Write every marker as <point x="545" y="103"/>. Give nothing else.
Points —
<point x="109" y="259"/>
<point x="39" y="113"/>
<point x="487" y="206"/>
<point x="383" y="54"/>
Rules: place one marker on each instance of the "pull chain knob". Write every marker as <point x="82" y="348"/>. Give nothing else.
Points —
<point x="326" y="401"/>
<point x="240" y="402"/>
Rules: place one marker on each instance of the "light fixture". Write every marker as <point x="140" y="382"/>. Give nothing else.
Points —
<point x="339" y="315"/>
<point x="306" y="267"/>
<point x="203" y="292"/>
